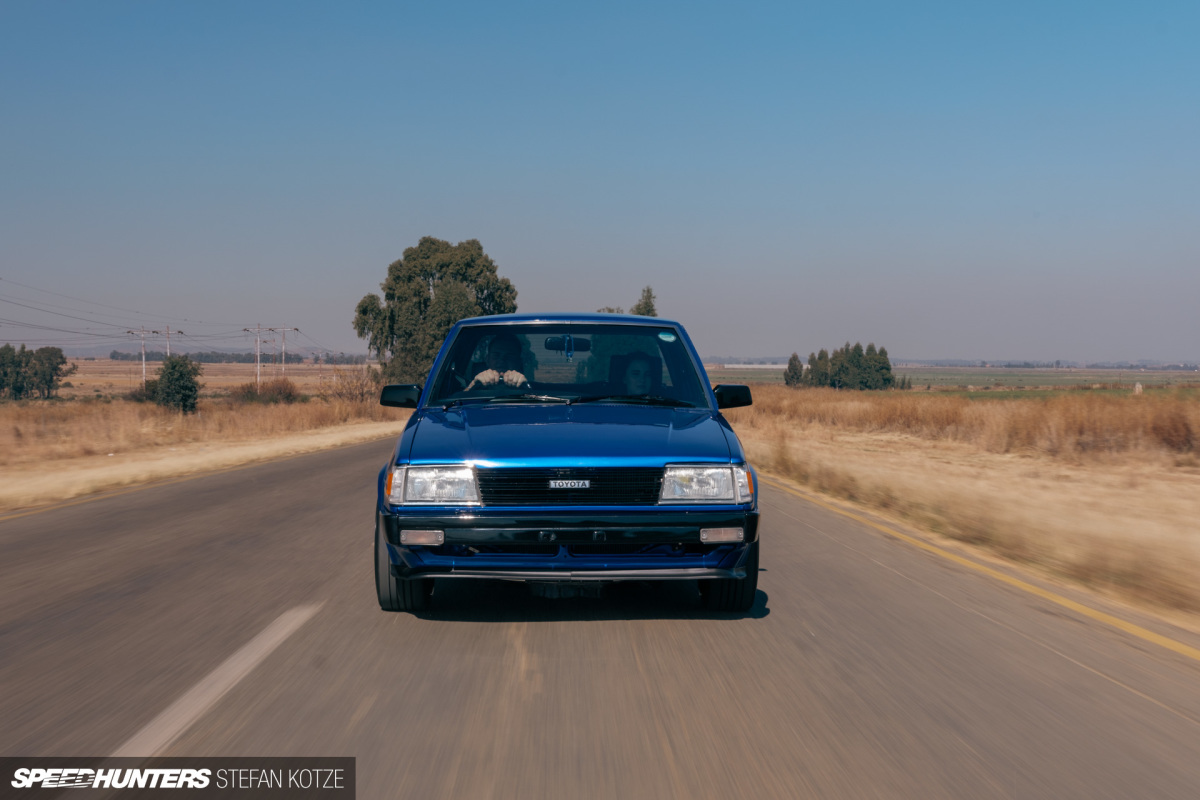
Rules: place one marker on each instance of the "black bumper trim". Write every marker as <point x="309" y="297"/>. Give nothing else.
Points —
<point x="665" y="527"/>
<point x="581" y="576"/>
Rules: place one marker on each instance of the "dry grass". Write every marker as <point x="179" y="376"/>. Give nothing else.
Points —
<point x="36" y="433"/>
<point x="105" y="377"/>
<point x="95" y="439"/>
<point x="1070" y="425"/>
<point x="95" y="418"/>
<point x="1102" y="490"/>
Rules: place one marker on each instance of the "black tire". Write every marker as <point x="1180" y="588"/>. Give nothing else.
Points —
<point x="733" y="594"/>
<point x="397" y="594"/>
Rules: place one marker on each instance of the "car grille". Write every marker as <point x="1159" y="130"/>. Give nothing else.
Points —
<point x="610" y="486"/>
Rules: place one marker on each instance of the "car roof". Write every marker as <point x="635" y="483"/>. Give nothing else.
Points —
<point x="591" y="317"/>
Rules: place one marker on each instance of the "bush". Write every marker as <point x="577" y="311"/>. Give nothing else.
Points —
<point x="144" y="394"/>
<point x="355" y="385"/>
<point x="279" y="390"/>
<point x="244" y="393"/>
<point x="177" y="385"/>
<point x="1172" y="429"/>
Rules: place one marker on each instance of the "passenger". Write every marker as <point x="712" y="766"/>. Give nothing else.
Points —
<point x="503" y="363"/>
<point x="639" y="375"/>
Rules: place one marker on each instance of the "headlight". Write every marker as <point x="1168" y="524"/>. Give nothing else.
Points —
<point x="697" y="485"/>
<point x="707" y="485"/>
<point x="743" y="478"/>
<point x="449" y="486"/>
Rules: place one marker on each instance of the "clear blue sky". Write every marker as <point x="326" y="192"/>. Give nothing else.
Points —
<point x="954" y="180"/>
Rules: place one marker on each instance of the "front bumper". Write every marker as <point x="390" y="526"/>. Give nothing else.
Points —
<point x="580" y="545"/>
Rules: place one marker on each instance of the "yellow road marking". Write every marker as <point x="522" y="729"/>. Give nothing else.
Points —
<point x="171" y="481"/>
<point x="1079" y="608"/>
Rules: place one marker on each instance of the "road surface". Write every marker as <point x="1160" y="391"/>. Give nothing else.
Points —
<point x="235" y="614"/>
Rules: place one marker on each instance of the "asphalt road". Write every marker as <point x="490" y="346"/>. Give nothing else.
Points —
<point x="867" y="668"/>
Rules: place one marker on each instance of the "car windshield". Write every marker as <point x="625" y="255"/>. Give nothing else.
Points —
<point x="568" y="363"/>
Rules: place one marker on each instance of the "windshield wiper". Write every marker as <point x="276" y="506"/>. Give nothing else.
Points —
<point x="636" y="399"/>
<point x="531" y="398"/>
<point x="458" y="401"/>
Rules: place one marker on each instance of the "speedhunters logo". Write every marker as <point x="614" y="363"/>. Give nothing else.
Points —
<point x="224" y="777"/>
<point x="71" y="778"/>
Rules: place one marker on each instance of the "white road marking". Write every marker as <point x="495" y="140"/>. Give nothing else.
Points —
<point x="167" y="726"/>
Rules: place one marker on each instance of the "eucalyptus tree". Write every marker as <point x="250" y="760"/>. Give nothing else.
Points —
<point x="432" y="286"/>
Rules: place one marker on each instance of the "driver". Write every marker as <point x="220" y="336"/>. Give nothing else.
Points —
<point x="638" y="379"/>
<point x="503" y="363"/>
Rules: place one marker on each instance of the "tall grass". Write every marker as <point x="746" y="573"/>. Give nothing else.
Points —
<point x="1106" y="491"/>
<point x="1068" y="425"/>
<point x="39" y="432"/>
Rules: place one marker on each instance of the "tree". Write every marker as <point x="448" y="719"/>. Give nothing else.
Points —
<point x="822" y="369"/>
<point x="872" y="373"/>
<point x="433" y="285"/>
<point x="177" y="385"/>
<point x="25" y="372"/>
<point x="794" y="374"/>
<point x="644" y="307"/>
<point x="884" y="367"/>
<point x="843" y="372"/>
<point x="45" y="371"/>
<point x="851" y="367"/>
<point x="10" y="369"/>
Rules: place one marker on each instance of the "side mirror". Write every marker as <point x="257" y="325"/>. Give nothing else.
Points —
<point x="400" y="395"/>
<point x="732" y="395"/>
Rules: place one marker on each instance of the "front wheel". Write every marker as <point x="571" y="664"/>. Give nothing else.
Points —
<point x="397" y="594"/>
<point x="733" y="594"/>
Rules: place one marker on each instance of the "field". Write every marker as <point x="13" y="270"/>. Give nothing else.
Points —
<point x="105" y="377"/>
<point x="94" y="438"/>
<point x="989" y="379"/>
<point x="112" y="378"/>
<point x="1100" y="488"/>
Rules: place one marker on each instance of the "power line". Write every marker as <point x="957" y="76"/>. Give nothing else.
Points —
<point x="60" y="314"/>
<point x="34" y="325"/>
<point x="124" y="318"/>
<point x="116" y="308"/>
<point x="214" y="348"/>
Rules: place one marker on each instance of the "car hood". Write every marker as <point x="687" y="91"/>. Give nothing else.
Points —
<point x="562" y="435"/>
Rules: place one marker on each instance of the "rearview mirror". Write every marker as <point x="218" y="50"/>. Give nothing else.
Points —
<point x="400" y="395"/>
<point x="732" y="395"/>
<point x="559" y="344"/>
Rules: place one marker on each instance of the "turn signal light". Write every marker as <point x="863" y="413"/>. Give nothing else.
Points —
<point x="422" y="537"/>
<point x="721" y="535"/>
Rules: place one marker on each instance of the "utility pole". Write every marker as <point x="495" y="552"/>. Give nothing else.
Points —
<point x="283" y="332"/>
<point x="160" y="333"/>
<point x="142" y="333"/>
<point x="257" y="331"/>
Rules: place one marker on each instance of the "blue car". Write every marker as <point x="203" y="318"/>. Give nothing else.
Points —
<point x="566" y="449"/>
